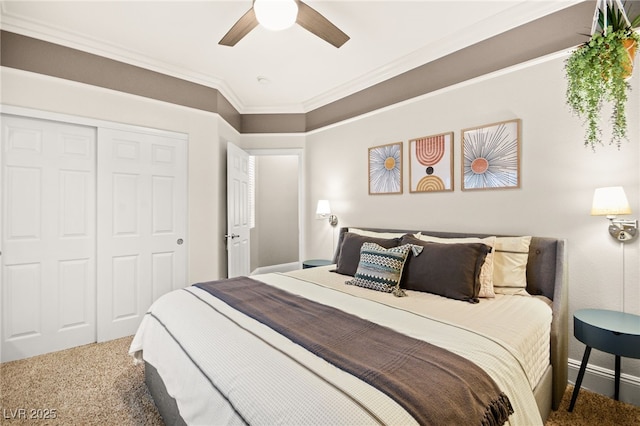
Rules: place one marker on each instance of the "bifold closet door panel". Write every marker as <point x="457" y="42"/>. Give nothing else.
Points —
<point x="142" y="212"/>
<point x="48" y="216"/>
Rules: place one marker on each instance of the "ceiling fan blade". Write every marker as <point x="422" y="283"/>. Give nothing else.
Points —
<point x="313" y="21"/>
<point x="245" y="24"/>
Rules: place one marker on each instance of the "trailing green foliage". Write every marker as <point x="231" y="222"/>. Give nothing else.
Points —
<point x="597" y="72"/>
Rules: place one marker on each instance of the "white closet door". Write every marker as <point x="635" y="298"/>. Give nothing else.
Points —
<point x="48" y="236"/>
<point x="141" y="225"/>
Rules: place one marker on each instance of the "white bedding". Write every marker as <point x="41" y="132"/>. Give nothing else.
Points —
<point x="521" y="323"/>
<point x="220" y="374"/>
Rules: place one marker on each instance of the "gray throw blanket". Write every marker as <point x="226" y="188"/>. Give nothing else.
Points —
<point x="436" y="386"/>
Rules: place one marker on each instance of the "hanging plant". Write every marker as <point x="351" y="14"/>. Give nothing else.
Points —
<point x="597" y="72"/>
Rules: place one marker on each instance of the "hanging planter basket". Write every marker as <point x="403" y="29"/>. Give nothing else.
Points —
<point x="630" y="46"/>
<point x="598" y="71"/>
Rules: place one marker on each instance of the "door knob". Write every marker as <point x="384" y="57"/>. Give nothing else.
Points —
<point x="180" y="241"/>
<point x="232" y="236"/>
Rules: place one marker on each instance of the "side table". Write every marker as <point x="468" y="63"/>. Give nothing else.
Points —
<point x="613" y="332"/>
<point x="312" y="263"/>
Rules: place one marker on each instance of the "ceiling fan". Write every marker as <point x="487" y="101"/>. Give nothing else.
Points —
<point x="297" y="12"/>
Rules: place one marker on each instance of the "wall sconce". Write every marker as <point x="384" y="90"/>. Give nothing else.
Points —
<point x="323" y="211"/>
<point x="610" y="202"/>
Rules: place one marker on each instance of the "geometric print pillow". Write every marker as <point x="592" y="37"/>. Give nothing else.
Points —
<point x="380" y="268"/>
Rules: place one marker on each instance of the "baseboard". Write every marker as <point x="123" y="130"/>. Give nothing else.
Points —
<point x="283" y="267"/>
<point x="602" y="380"/>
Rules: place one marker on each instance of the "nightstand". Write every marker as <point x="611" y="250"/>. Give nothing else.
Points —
<point x="613" y="332"/>
<point x="312" y="263"/>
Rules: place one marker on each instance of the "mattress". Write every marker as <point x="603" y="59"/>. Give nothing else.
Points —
<point x="223" y="367"/>
<point x="521" y="323"/>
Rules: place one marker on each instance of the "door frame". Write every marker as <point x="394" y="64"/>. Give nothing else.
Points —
<point x="299" y="152"/>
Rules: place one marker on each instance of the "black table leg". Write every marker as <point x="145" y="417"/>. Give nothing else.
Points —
<point x="617" y="389"/>
<point x="583" y="367"/>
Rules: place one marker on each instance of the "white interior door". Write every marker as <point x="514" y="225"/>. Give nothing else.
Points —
<point x="142" y="216"/>
<point x="238" y="226"/>
<point x="48" y="236"/>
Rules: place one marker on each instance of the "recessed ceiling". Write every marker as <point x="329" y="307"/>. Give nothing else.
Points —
<point x="180" y="38"/>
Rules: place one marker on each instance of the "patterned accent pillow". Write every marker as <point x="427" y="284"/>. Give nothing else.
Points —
<point x="380" y="268"/>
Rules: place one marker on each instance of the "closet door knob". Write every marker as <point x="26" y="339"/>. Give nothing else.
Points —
<point x="180" y="241"/>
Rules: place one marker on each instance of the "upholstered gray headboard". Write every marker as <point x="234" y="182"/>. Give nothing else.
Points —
<point x="546" y="275"/>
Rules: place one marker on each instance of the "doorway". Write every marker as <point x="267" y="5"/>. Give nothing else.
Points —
<point x="276" y="225"/>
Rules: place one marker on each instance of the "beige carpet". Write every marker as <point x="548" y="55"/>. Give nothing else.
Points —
<point x="593" y="409"/>
<point x="99" y="385"/>
<point x="89" y="385"/>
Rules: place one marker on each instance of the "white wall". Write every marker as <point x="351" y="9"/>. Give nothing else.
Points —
<point x="208" y="135"/>
<point x="558" y="179"/>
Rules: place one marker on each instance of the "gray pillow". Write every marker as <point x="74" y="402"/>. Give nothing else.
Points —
<point x="349" y="253"/>
<point x="449" y="270"/>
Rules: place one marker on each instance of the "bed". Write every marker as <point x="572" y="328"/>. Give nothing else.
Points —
<point x="212" y="356"/>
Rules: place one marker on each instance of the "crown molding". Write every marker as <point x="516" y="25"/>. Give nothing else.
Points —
<point x="520" y="14"/>
<point x="52" y="34"/>
<point x="543" y="36"/>
<point x="525" y="12"/>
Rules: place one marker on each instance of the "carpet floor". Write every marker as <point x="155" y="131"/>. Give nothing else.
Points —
<point x="95" y="384"/>
<point x="98" y="384"/>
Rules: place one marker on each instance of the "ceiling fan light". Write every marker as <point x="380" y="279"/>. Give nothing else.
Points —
<point x="276" y="15"/>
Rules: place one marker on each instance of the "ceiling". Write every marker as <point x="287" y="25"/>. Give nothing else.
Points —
<point x="290" y="71"/>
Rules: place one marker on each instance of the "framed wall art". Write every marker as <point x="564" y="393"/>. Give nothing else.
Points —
<point x="431" y="163"/>
<point x="385" y="169"/>
<point x="491" y="156"/>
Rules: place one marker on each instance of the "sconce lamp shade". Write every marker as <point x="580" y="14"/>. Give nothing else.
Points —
<point x="323" y="209"/>
<point x="610" y="201"/>
<point x="276" y="15"/>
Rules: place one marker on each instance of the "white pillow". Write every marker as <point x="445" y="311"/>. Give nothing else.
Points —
<point x="486" y="273"/>
<point x="510" y="265"/>
<point x="374" y="234"/>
